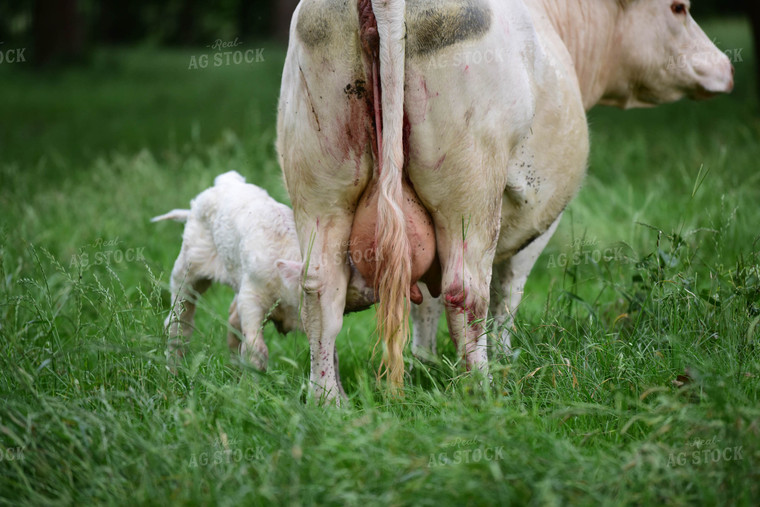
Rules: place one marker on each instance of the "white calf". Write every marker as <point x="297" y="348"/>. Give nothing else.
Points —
<point x="236" y="234"/>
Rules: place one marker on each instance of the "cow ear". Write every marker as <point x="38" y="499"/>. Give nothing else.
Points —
<point x="290" y="270"/>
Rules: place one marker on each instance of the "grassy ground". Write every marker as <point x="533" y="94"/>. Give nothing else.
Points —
<point x="636" y="381"/>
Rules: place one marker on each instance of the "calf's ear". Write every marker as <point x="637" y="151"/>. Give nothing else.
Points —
<point x="290" y="270"/>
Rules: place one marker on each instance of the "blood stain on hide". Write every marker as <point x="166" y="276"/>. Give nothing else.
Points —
<point x="308" y="95"/>
<point x="439" y="163"/>
<point x="455" y="300"/>
<point x="358" y="129"/>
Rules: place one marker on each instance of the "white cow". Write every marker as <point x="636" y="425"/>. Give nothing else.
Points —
<point x="386" y="97"/>
<point x="236" y="234"/>
<point x="625" y="54"/>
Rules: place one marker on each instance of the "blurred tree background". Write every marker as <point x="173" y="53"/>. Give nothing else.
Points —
<point x="63" y="31"/>
<point x="56" y="30"/>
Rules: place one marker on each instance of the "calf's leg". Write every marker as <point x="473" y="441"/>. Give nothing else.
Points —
<point x="234" y="331"/>
<point x="186" y="287"/>
<point x="251" y="314"/>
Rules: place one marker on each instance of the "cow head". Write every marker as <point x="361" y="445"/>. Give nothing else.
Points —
<point x="664" y="55"/>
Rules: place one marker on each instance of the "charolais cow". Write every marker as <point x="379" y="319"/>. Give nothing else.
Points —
<point x="626" y="54"/>
<point x="237" y="235"/>
<point x="390" y="135"/>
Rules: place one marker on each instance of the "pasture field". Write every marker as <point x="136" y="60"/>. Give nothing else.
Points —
<point x="636" y="375"/>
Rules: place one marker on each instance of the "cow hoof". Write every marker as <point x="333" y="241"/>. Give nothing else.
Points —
<point x="334" y="396"/>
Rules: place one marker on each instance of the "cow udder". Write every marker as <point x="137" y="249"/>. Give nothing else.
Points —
<point x="419" y="230"/>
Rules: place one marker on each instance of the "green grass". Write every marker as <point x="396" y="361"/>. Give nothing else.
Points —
<point x="587" y="412"/>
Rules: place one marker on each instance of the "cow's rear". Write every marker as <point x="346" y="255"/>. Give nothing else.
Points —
<point x="340" y="128"/>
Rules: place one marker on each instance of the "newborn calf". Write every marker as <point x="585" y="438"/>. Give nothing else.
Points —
<point x="236" y="234"/>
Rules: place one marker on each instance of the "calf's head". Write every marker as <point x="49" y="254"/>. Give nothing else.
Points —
<point x="663" y="55"/>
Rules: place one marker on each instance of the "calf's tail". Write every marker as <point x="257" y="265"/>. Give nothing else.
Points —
<point x="178" y="215"/>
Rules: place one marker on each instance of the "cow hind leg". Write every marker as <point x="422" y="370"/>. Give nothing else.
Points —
<point x="425" y="317"/>
<point x="467" y="254"/>
<point x="324" y="283"/>
<point x="507" y="286"/>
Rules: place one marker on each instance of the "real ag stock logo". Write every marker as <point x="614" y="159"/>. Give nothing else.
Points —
<point x="226" y="452"/>
<point x="588" y="251"/>
<point x="464" y="452"/>
<point x="106" y="252"/>
<point x="226" y="55"/>
<point x="13" y="55"/>
<point x="703" y="452"/>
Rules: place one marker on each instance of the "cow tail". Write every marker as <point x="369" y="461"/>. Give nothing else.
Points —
<point x="394" y="268"/>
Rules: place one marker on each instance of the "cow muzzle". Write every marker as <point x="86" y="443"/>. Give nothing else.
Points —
<point x="715" y="75"/>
